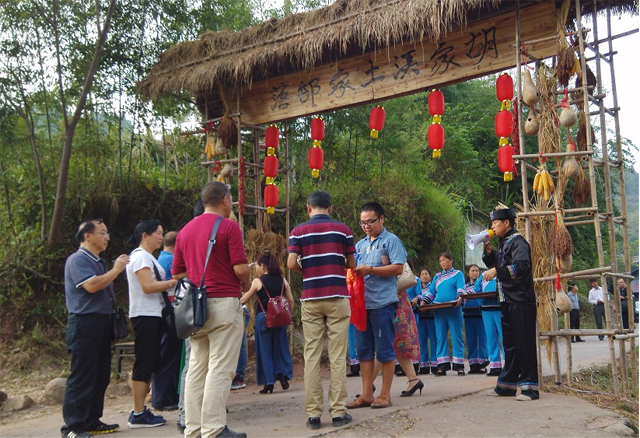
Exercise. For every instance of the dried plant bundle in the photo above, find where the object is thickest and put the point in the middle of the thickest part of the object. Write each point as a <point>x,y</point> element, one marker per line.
<point>549,132</point>
<point>562,240</point>
<point>228,132</point>
<point>581,189</point>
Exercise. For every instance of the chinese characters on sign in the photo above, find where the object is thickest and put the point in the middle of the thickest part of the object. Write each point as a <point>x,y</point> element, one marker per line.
<point>478,46</point>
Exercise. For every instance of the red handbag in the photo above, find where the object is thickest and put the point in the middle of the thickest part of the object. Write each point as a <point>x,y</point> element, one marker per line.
<point>278,313</point>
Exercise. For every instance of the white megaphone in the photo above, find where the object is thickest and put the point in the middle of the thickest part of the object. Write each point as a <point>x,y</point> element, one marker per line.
<point>476,239</point>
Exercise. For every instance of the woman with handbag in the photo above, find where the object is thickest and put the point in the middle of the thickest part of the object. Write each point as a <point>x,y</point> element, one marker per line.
<point>273,359</point>
<point>145,310</point>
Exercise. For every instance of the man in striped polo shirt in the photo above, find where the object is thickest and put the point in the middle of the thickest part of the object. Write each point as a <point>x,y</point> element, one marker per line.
<point>320,249</point>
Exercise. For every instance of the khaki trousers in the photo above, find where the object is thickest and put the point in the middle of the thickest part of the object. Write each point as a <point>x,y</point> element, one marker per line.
<point>328,318</point>
<point>215,349</point>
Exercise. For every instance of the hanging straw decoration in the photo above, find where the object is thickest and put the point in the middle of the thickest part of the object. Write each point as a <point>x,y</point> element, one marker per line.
<point>549,133</point>
<point>228,132</point>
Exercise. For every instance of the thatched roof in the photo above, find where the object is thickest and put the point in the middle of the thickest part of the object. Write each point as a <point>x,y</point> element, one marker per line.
<point>302,41</point>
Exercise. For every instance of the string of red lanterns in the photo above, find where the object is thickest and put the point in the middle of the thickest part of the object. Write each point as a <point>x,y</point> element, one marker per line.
<point>435,134</point>
<point>271,139</point>
<point>504,126</point>
<point>316,154</point>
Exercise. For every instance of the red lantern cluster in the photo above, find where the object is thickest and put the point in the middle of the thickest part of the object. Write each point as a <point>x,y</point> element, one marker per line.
<point>316,154</point>
<point>504,126</point>
<point>435,134</point>
<point>376,120</point>
<point>271,138</point>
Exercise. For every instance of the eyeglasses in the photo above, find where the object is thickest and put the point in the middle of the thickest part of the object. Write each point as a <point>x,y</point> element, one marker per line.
<point>105,235</point>
<point>369,223</point>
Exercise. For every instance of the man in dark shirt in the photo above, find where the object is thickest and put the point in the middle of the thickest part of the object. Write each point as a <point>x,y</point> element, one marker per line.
<point>512,267</point>
<point>90,302</point>
<point>320,249</point>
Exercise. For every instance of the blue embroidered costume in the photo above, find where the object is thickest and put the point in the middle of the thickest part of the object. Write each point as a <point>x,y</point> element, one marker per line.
<point>492,324</point>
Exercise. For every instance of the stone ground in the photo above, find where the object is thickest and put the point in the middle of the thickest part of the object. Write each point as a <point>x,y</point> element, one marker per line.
<point>449,406</point>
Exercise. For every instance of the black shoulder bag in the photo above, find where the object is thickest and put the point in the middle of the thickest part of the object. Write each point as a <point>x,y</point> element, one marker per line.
<point>168,314</point>
<point>120,330</point>
<point>191,309</point>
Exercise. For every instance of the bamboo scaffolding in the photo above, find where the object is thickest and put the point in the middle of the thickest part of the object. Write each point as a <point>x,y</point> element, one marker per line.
<point>623,198</point>
<point>553,212</point>
<point>630,337</point>
<point>553,155</point>
<point>592,183</point>
<point>581,332</point>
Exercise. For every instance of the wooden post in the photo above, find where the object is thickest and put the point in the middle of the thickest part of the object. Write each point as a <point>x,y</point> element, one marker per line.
<point>567,325</point>
<point>239,151</point>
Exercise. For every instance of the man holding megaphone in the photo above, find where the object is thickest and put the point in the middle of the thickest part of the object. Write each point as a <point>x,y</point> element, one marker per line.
<point>511,267</point>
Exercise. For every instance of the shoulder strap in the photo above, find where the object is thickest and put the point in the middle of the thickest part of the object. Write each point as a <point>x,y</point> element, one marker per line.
<point>212,242</point>
<point>265,288</point>
<point>165,295</point>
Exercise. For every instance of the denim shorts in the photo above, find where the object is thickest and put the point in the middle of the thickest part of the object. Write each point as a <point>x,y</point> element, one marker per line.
<point>377,341</point>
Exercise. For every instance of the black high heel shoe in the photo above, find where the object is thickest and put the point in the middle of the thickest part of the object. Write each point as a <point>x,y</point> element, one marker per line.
<point>284,382</point>
<point>267,389</point>
<point>416,387</point>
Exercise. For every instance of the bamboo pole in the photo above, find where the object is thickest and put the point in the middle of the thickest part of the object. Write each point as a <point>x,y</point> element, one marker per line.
<point>239,152</point>
<point>592,183</point>
<point>569,359</point>
<point>257,184</point>
<point>575,274</point>
<point>553,212</point>
<point>553,155</point>
<point>582,332</point>
<point>623,198</point>
<point>616,318</point>
<point>630,336</point>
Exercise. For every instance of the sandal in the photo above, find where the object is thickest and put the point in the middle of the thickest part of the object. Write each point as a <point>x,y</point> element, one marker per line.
<point>359,402</point>
<point>381,402</point>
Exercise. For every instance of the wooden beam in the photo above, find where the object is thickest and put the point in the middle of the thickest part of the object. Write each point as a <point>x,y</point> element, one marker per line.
<point>476,50</point>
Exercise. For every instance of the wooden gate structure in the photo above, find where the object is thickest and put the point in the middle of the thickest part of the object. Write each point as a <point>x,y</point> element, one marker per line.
<point>357,52</point>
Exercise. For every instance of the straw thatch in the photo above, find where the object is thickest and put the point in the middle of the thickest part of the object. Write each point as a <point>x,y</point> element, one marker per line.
<point>303,41</point>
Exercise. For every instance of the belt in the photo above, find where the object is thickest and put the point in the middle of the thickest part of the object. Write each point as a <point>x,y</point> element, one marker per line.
<point>92,315</point>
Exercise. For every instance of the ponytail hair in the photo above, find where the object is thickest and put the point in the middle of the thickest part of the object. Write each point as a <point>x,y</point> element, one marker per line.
<point>270,262</point>
<point>147,226</point>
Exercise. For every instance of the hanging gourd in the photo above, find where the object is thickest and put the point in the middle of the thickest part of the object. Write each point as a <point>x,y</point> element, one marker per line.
<point>435,134</point>
<point>271,138</point>
<point>532,125</point>
<point>271,197</point>
<point>505,162</point>
<point>504,90</point>
<point>316,154</point>
<point>568,116</point>
<point>530,95</point>
<point>376,120</point>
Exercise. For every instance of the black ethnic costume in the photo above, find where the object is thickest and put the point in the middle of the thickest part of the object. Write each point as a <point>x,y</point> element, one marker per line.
<point>518,307</point>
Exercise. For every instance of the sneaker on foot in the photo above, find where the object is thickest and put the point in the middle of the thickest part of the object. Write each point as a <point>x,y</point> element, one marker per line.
<point>100,428</point>
<point>70,433</point>
<point>238,383</point>
<point>146,419</point>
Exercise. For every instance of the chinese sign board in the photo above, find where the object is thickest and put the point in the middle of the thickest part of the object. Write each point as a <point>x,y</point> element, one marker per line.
<point>479,49</point>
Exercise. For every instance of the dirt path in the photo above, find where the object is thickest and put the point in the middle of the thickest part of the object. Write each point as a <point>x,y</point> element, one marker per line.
<point>449,406</point>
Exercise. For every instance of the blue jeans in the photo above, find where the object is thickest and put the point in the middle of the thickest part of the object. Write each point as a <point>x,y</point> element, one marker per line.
<point>242,359</point>
<point>377,341</point>
<point>353,353</point>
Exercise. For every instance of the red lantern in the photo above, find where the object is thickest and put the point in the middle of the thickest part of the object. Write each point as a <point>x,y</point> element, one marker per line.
<point>376,120</point>
<point>316,160</point>
<point>436,104</point>
<point>503,124</point>
<point>270,168</point>
<point>271,197</point>
<point>505,161</point>
<point>504,90</point>
<point>271,138</point>
<point>317,130</point>
<point>435,137</point>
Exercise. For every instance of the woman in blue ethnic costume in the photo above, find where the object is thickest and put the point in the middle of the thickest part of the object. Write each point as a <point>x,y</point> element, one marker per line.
<point>426,324</point>
<point>492,321</point>
<point>512,267</point>
<point>473,326</point>
<point>447,286</point>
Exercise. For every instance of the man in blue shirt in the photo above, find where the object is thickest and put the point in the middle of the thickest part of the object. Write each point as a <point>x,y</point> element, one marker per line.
<point>380,257</point>
<point>90,301</point>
